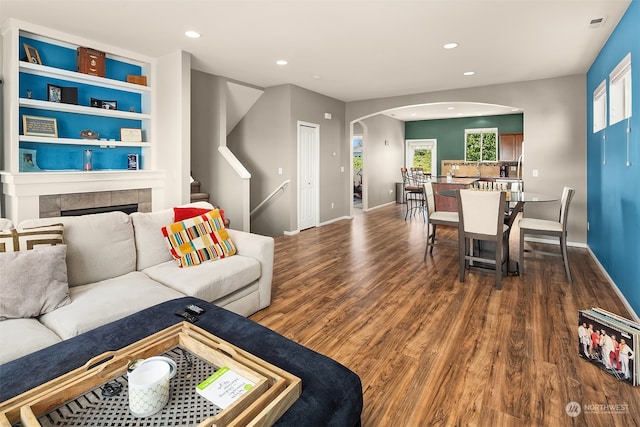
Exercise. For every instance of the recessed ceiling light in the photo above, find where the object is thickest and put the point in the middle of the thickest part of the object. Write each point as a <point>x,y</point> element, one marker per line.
<point>452,45</point>
<point>281,62</point>
<point>317,77</point>
<point>469,73</point>
<point>451,108</point>
<point>192,34</point>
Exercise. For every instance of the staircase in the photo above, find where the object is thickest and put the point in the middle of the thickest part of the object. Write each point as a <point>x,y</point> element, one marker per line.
<point>196,194</point>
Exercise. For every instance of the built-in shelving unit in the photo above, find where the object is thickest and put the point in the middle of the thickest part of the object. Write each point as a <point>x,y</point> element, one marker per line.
<point>58,167</point>
<point>28,96</point>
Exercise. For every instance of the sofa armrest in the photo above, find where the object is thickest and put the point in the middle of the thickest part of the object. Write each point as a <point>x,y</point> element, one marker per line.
<point>261,248</point>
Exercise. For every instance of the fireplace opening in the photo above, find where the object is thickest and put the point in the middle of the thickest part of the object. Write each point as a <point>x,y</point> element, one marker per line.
<point>101,209</point>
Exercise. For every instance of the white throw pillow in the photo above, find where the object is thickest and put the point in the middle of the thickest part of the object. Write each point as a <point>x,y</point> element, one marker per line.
<point>33,282</point>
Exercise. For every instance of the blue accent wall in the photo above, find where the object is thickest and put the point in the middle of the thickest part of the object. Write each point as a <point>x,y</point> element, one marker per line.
<point>613,188</point>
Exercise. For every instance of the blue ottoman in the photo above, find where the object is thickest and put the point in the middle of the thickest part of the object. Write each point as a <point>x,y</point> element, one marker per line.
<point>331,393</point>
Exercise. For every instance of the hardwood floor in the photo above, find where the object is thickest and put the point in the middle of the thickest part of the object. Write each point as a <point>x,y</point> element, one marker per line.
<point>432,350</point>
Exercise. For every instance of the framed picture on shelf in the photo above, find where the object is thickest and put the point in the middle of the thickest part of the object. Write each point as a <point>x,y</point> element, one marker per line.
<point>32,54</point>
<point>130,135</point>
<point>28,162</point>
<point>132,162</point>
<point>39,126</point>
<point>54,93</point>
<point>110,105</point>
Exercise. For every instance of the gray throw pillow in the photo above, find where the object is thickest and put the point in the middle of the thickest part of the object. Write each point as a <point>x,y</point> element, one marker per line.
<point>33,282</point>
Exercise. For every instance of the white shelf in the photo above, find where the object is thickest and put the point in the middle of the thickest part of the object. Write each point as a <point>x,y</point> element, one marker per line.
<point>74,141</point>
<point>81,109</point>
<point>56,73</point>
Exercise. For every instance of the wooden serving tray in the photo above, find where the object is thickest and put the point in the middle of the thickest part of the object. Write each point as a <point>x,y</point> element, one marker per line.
<point>274,392</point>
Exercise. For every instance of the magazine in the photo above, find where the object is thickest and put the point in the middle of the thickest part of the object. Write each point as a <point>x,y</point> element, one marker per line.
<point>610,342</point>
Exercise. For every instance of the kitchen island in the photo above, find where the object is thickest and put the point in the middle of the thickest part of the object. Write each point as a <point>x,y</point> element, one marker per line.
<point>450,204</point>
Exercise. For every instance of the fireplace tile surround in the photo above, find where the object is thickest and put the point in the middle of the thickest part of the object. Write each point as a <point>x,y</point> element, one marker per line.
<point>52,205</point>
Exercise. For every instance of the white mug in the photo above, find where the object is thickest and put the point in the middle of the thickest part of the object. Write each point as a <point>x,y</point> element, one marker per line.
<point>149,385</point>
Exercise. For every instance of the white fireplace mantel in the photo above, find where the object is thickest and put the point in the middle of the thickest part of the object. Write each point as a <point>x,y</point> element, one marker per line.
<point>22,191</point>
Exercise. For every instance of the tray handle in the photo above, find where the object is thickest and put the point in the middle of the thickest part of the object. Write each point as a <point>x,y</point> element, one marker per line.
<point>229,351</point>
<point>100,359</point>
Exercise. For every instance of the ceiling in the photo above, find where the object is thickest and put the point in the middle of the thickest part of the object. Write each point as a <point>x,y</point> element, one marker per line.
<point>351,49</point>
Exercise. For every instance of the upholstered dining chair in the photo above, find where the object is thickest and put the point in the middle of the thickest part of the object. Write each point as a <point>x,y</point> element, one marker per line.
<point>481,218</point>
<point>545,227</point>
<point>435,218</point>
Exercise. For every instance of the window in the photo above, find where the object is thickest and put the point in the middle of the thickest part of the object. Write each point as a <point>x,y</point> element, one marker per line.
<point>600,107</point>
<point>620,88</point>
<point>481,145</point>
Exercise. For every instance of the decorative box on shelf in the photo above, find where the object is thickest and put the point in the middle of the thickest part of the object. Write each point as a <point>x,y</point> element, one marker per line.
<point>91,61</point>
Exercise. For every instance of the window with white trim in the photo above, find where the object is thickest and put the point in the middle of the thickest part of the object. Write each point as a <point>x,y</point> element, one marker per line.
<point>481,145</point>
<point>600,107</point>
<point>620,91</point>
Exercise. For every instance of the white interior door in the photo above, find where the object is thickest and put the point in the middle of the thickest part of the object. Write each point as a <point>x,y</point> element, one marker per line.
<point>308,167</point>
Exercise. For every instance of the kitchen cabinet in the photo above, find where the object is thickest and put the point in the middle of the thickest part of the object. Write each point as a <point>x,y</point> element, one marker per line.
<point>510,146</point>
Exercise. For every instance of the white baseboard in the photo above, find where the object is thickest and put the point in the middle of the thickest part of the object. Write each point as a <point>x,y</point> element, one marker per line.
<point>379,206</point>
<point>331,221</point>
<point>614,286</point>
<point>294,232</point>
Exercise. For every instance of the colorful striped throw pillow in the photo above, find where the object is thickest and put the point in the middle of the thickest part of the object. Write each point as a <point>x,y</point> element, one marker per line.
<point>199,239</point>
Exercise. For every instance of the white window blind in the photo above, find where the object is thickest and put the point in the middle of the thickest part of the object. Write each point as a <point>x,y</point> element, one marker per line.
<point>620,91</point>
<point>600,107</point>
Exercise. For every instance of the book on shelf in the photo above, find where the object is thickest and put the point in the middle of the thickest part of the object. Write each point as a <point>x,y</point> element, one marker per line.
<point>610,342</point>
<point>224,387</point>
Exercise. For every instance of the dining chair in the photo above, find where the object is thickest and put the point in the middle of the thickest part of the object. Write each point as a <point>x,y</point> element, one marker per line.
<point>413,191</point>
<point>435,218</point>
<point>545,227</point>
<point>481,218</point>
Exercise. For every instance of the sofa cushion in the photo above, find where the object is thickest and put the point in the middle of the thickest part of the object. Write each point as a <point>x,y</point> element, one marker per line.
<point>23,336</point>
<point>102,302</point>
<point>209,281</point>
<point>199,239</point>
<point>150,246</point>
<point>5,223</point>
<point>100,246</point>
<point>29,238</point>
<point>33,282</point>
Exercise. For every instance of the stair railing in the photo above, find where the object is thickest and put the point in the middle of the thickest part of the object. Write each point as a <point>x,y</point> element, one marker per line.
<point>281,187</point>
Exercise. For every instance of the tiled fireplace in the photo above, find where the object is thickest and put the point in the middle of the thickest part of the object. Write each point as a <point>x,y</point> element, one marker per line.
<point>52,205</point>
<point>48,194</point>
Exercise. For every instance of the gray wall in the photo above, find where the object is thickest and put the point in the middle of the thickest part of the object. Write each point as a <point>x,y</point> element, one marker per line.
<point>381,161</point>
<point>262,142</point>
<point>266,140</point>
<point>554,129</point>
<point>208,132</point>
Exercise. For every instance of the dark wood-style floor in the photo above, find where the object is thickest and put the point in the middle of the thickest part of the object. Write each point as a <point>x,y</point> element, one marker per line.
<point>432,350</point>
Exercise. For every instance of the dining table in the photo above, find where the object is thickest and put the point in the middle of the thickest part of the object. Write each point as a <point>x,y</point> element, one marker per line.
<point>515,201</point>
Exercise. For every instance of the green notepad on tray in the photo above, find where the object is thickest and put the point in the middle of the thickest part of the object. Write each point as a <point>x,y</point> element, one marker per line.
<point>224,387</point>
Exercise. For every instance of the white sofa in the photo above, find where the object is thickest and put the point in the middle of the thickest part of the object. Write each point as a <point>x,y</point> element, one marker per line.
<point>118,264</point>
